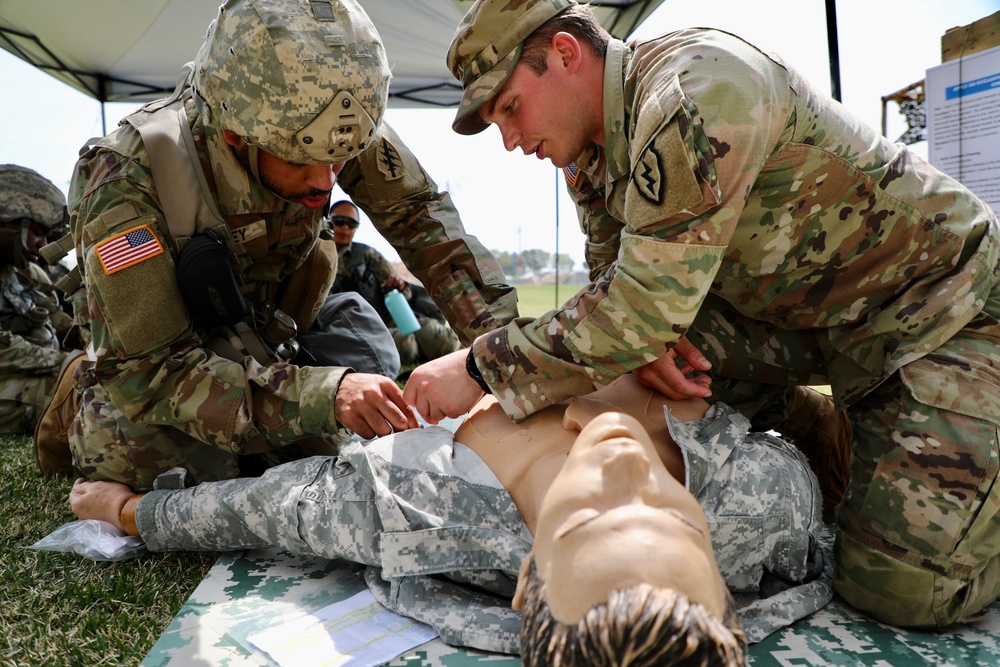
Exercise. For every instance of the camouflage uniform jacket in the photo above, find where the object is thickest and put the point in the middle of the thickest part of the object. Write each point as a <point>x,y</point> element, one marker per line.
<point>152,359</point>
<point>725,172</point>
<point>29,306</point>
<point>443,540</point>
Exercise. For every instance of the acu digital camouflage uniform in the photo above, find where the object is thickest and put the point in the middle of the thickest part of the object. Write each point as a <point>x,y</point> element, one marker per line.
<point>443,540</point>
<point>157,396</point>
<point>30,311</point>
<point>363,269</point>
<point>735,204</point>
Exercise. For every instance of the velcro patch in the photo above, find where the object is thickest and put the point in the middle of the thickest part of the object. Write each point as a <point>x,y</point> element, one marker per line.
<point>127,249</point>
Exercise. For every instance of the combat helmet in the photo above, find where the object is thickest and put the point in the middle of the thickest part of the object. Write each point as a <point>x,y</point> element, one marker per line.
<point>27,197</point>
<point>304,80</point>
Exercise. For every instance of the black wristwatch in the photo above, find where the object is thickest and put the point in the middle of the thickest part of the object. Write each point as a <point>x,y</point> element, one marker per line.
<point>473,370</point>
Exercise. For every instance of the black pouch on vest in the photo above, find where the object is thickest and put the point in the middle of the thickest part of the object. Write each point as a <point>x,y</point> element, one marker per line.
<point>208,285</point>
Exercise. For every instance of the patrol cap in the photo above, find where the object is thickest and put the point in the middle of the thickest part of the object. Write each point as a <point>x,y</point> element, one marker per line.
<point>306,80</point>
<point>487,46</point>
<point>27,195</point>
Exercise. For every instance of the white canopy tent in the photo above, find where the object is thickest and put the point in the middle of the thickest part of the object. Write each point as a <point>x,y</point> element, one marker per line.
<point>132,50</point>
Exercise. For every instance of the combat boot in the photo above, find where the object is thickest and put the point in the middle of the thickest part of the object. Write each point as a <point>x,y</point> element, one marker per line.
<point>51,438</point>
<point>823,434</point>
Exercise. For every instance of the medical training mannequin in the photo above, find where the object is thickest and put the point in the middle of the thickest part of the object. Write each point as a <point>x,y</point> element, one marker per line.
<point>601,507</point>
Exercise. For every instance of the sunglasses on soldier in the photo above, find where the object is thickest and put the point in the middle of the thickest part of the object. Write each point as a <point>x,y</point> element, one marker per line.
<point>341,220</point>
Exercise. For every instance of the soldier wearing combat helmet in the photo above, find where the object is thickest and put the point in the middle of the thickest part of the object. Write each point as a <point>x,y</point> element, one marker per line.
<point>30,312</point>
<point>197,227</point>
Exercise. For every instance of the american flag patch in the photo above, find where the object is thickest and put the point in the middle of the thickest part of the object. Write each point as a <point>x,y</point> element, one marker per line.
<point>572,173</point>
<point>123,250</point>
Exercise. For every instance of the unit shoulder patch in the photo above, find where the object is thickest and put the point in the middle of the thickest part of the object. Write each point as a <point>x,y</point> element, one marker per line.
<point>389,162</point>
<point>648,176</point>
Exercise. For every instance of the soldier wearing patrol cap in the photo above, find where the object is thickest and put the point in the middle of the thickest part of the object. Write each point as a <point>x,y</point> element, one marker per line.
<point>31,317</point>
<point>197,226</point>
<point>727,201</point>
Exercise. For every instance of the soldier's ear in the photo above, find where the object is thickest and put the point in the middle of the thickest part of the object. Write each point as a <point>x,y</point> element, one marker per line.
<point>233,139</point>
<point>522,577</point>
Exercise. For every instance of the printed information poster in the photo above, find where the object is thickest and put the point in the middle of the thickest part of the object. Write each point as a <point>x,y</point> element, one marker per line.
<point>963,121</point>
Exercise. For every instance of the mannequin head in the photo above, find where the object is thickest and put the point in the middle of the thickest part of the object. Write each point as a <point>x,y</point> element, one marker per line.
<point>619,537</point>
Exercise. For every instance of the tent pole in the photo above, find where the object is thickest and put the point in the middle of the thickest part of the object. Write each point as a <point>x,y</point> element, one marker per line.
<point>557,237</point>
<point>834,48</point>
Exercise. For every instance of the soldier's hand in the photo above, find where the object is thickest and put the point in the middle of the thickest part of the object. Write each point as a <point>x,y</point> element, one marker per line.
<point>669,374</point>
<point>394,281</point>
<point>442,388</point>
<point>372,405</point>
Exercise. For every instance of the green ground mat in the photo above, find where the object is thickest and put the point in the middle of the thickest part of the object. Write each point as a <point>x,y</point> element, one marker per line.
<point>246,592</point>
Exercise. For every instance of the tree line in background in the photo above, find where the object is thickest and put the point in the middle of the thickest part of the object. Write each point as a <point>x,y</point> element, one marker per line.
<point>534,262</point>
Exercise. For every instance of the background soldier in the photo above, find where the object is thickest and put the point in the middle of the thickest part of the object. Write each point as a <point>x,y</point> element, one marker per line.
<point>363,269</point>
<point>31,318</point>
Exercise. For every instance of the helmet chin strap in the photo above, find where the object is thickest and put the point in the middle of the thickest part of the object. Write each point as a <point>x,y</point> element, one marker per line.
<point>253,153</point>
<point>18,242</point>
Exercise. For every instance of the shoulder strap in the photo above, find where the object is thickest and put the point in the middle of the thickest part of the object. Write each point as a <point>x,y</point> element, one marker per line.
<point>177,171</point>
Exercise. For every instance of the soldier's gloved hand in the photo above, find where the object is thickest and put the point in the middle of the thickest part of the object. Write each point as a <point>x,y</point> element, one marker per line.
<point>670,377</point>
<point>372,405</point>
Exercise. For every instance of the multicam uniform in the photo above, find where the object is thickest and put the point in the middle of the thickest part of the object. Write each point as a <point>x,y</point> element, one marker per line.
<point>363,269</point>
<point>443,540</point>
<point>736,205</point>
<point>155,384</point>
<point>30,357</point>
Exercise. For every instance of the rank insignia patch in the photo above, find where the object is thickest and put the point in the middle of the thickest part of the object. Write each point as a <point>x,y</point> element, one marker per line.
<point>648,176</point>
<point>127,249</point>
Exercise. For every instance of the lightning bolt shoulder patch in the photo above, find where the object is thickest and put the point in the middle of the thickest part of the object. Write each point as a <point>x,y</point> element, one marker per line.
<point>648,176</point>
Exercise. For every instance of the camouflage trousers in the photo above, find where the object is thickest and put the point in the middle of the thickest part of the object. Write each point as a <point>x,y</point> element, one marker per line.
<point>29,373</point>
<point>918,531</point>
<point>434,339</point>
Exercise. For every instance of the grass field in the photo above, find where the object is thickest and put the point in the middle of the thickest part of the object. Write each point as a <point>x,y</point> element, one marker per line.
<point>534,300</point>
<point>65,610</point>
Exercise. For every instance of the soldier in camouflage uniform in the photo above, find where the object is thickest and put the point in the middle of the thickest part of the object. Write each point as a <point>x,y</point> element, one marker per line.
<point>363,269</point>
<point>726,200</point>
<point>30,312</point>
<point>445,528</point>
<point>284,97</point>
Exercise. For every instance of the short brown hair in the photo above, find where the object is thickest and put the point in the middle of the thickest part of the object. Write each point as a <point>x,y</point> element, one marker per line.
<point>638,626</point>
<point>577,20</point>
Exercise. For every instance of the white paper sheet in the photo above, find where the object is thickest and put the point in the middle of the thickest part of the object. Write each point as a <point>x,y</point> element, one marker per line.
<point>358,632</point>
